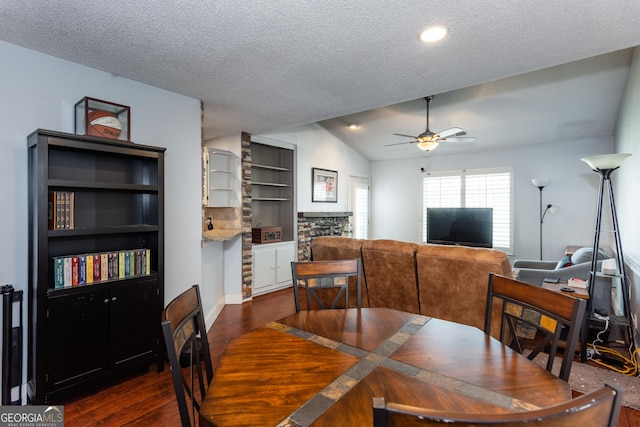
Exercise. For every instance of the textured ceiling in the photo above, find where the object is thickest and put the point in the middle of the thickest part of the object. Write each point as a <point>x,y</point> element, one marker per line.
<point>262,66</point>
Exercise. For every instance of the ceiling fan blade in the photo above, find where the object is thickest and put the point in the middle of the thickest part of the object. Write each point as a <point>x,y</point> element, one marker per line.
<point>406,136</point>
<point>459,139</point>
<point>452,132</point>
<point>400,143</point>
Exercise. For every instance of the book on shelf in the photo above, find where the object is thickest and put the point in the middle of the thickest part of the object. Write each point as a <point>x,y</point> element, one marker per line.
<point>51,210</point>
<point>121,270</point>
<point>87,269</point>
<point>97,267</point>
<point>104,267</point>
<point>138,262</point>
<point>58,272</point>
<point>82,270</point>
<point>67,272</point>
<point>125,255</point>
<point>113,265</point>
<point>59,210</point>
<point>75,271</point>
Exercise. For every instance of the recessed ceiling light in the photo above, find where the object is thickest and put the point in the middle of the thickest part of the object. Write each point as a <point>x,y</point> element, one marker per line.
<point>433,34</point>
<point>353,126</point>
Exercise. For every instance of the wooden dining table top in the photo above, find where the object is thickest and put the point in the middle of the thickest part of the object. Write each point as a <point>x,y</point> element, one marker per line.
<point>322,368</point>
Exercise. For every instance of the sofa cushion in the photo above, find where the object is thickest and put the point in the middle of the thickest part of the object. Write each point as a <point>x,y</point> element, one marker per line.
<point>390,270</point>
<point>585,254</point>
<point>453,282</point>
<point>326,248</point>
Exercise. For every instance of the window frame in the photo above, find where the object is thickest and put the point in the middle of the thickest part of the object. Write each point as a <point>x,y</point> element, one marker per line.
<point>462,174</point>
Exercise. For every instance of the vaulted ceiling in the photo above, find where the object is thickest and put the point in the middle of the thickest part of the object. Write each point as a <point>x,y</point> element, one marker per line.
<point>265,66</point>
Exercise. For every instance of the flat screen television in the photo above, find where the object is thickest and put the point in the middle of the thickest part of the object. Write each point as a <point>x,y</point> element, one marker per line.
<point>460,226</point>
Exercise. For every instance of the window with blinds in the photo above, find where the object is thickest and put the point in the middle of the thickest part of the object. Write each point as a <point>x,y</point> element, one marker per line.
<point>473,189</point>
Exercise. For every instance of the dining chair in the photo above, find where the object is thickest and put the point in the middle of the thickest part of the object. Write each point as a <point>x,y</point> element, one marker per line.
<point>185,336</point>
<point>600,408</point>
<point>549,314</point>
<point>326,282</point>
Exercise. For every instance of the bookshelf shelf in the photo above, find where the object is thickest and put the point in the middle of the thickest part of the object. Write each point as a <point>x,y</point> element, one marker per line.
<point>64,184</point>
<point>270,167</point>
<point>272,188</point>
<point>117,194</point>
<point>103,231</point>
<point>270,184</point>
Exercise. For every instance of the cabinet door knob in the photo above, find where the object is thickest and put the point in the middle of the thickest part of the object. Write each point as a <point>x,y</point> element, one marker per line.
<point>114,299</point>
<point>106,301</point>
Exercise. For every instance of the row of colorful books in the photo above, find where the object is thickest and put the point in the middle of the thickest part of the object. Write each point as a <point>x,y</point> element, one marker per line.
<point>61,210</point>
<point>86,269</point>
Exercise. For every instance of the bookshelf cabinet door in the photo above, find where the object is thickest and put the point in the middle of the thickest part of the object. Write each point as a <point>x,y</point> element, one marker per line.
<point>77,337</point>
<point>134,321</point>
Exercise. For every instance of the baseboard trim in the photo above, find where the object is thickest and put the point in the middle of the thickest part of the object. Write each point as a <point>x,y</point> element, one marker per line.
<point>233,299</point>
<point>214,313</point>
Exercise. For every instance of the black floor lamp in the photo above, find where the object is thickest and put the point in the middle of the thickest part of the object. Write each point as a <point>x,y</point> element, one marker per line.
<point>604,165</point>
<point>541,183</point>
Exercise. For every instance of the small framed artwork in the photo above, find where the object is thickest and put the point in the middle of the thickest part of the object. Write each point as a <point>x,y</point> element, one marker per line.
<point>324,185</point>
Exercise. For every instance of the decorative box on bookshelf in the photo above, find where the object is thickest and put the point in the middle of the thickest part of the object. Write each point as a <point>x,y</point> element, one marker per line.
<point>266,235</point>
<point>61,209</point>
<point>103,118</point>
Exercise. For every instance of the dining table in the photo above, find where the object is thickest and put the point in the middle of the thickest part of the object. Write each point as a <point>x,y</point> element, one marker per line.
<point>323,367</point>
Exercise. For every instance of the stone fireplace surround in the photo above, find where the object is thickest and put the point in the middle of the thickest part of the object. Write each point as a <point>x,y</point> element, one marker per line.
<point>314,224</point>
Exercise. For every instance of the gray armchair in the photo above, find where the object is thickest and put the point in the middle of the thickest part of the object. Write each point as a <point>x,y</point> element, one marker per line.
<point>534,272</point>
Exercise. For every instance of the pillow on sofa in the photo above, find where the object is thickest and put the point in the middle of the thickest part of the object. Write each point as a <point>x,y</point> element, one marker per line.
<point>586,255</point>
<point>564,262</point>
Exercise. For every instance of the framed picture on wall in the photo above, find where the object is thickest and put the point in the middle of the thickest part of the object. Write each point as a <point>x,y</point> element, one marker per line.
<point>324,185</point>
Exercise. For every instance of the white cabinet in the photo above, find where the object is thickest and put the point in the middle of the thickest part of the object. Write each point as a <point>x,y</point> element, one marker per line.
<point>272,266</point>
<point>220,179</point>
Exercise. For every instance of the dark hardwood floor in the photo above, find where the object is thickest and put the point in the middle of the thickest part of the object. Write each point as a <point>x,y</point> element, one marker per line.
<point>149,400</point>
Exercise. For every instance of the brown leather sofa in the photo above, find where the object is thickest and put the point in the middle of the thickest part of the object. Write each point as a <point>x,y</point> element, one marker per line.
<point>447,282</point>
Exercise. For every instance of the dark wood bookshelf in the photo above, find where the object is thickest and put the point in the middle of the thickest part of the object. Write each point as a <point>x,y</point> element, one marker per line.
<point>84,336</point>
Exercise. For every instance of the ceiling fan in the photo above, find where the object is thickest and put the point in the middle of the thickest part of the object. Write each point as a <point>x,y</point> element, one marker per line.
<point>429,140</point>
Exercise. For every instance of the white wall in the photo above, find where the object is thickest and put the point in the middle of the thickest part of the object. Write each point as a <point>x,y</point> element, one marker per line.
<point>396,197</point>
<point>40,91</point>
<point>317,148</point>
<point>626,180</point>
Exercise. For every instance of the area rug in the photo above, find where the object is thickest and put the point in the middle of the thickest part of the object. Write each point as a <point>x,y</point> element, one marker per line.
<point>586,378</point>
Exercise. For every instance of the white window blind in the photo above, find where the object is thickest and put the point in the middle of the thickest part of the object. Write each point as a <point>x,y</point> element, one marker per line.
<point>361,214</point>
<point>359,205</point>
<point>473,189</point>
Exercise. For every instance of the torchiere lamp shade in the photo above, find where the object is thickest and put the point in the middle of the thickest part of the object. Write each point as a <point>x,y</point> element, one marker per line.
<point>605,161</point>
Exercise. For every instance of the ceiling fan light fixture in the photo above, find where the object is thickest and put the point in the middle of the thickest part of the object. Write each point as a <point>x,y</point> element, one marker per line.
<point>433,34</point>
<point>427,145</point>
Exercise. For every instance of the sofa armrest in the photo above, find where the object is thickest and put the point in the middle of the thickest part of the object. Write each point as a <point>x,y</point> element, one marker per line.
<point>540,265</point>
<point>536,276</point>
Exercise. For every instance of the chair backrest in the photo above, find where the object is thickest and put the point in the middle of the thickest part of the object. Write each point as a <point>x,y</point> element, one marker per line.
<point>185,336</point>
<point>326,282</point>
<point>327,248</point>
<point>530,309</point>
<point>600,408</point>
